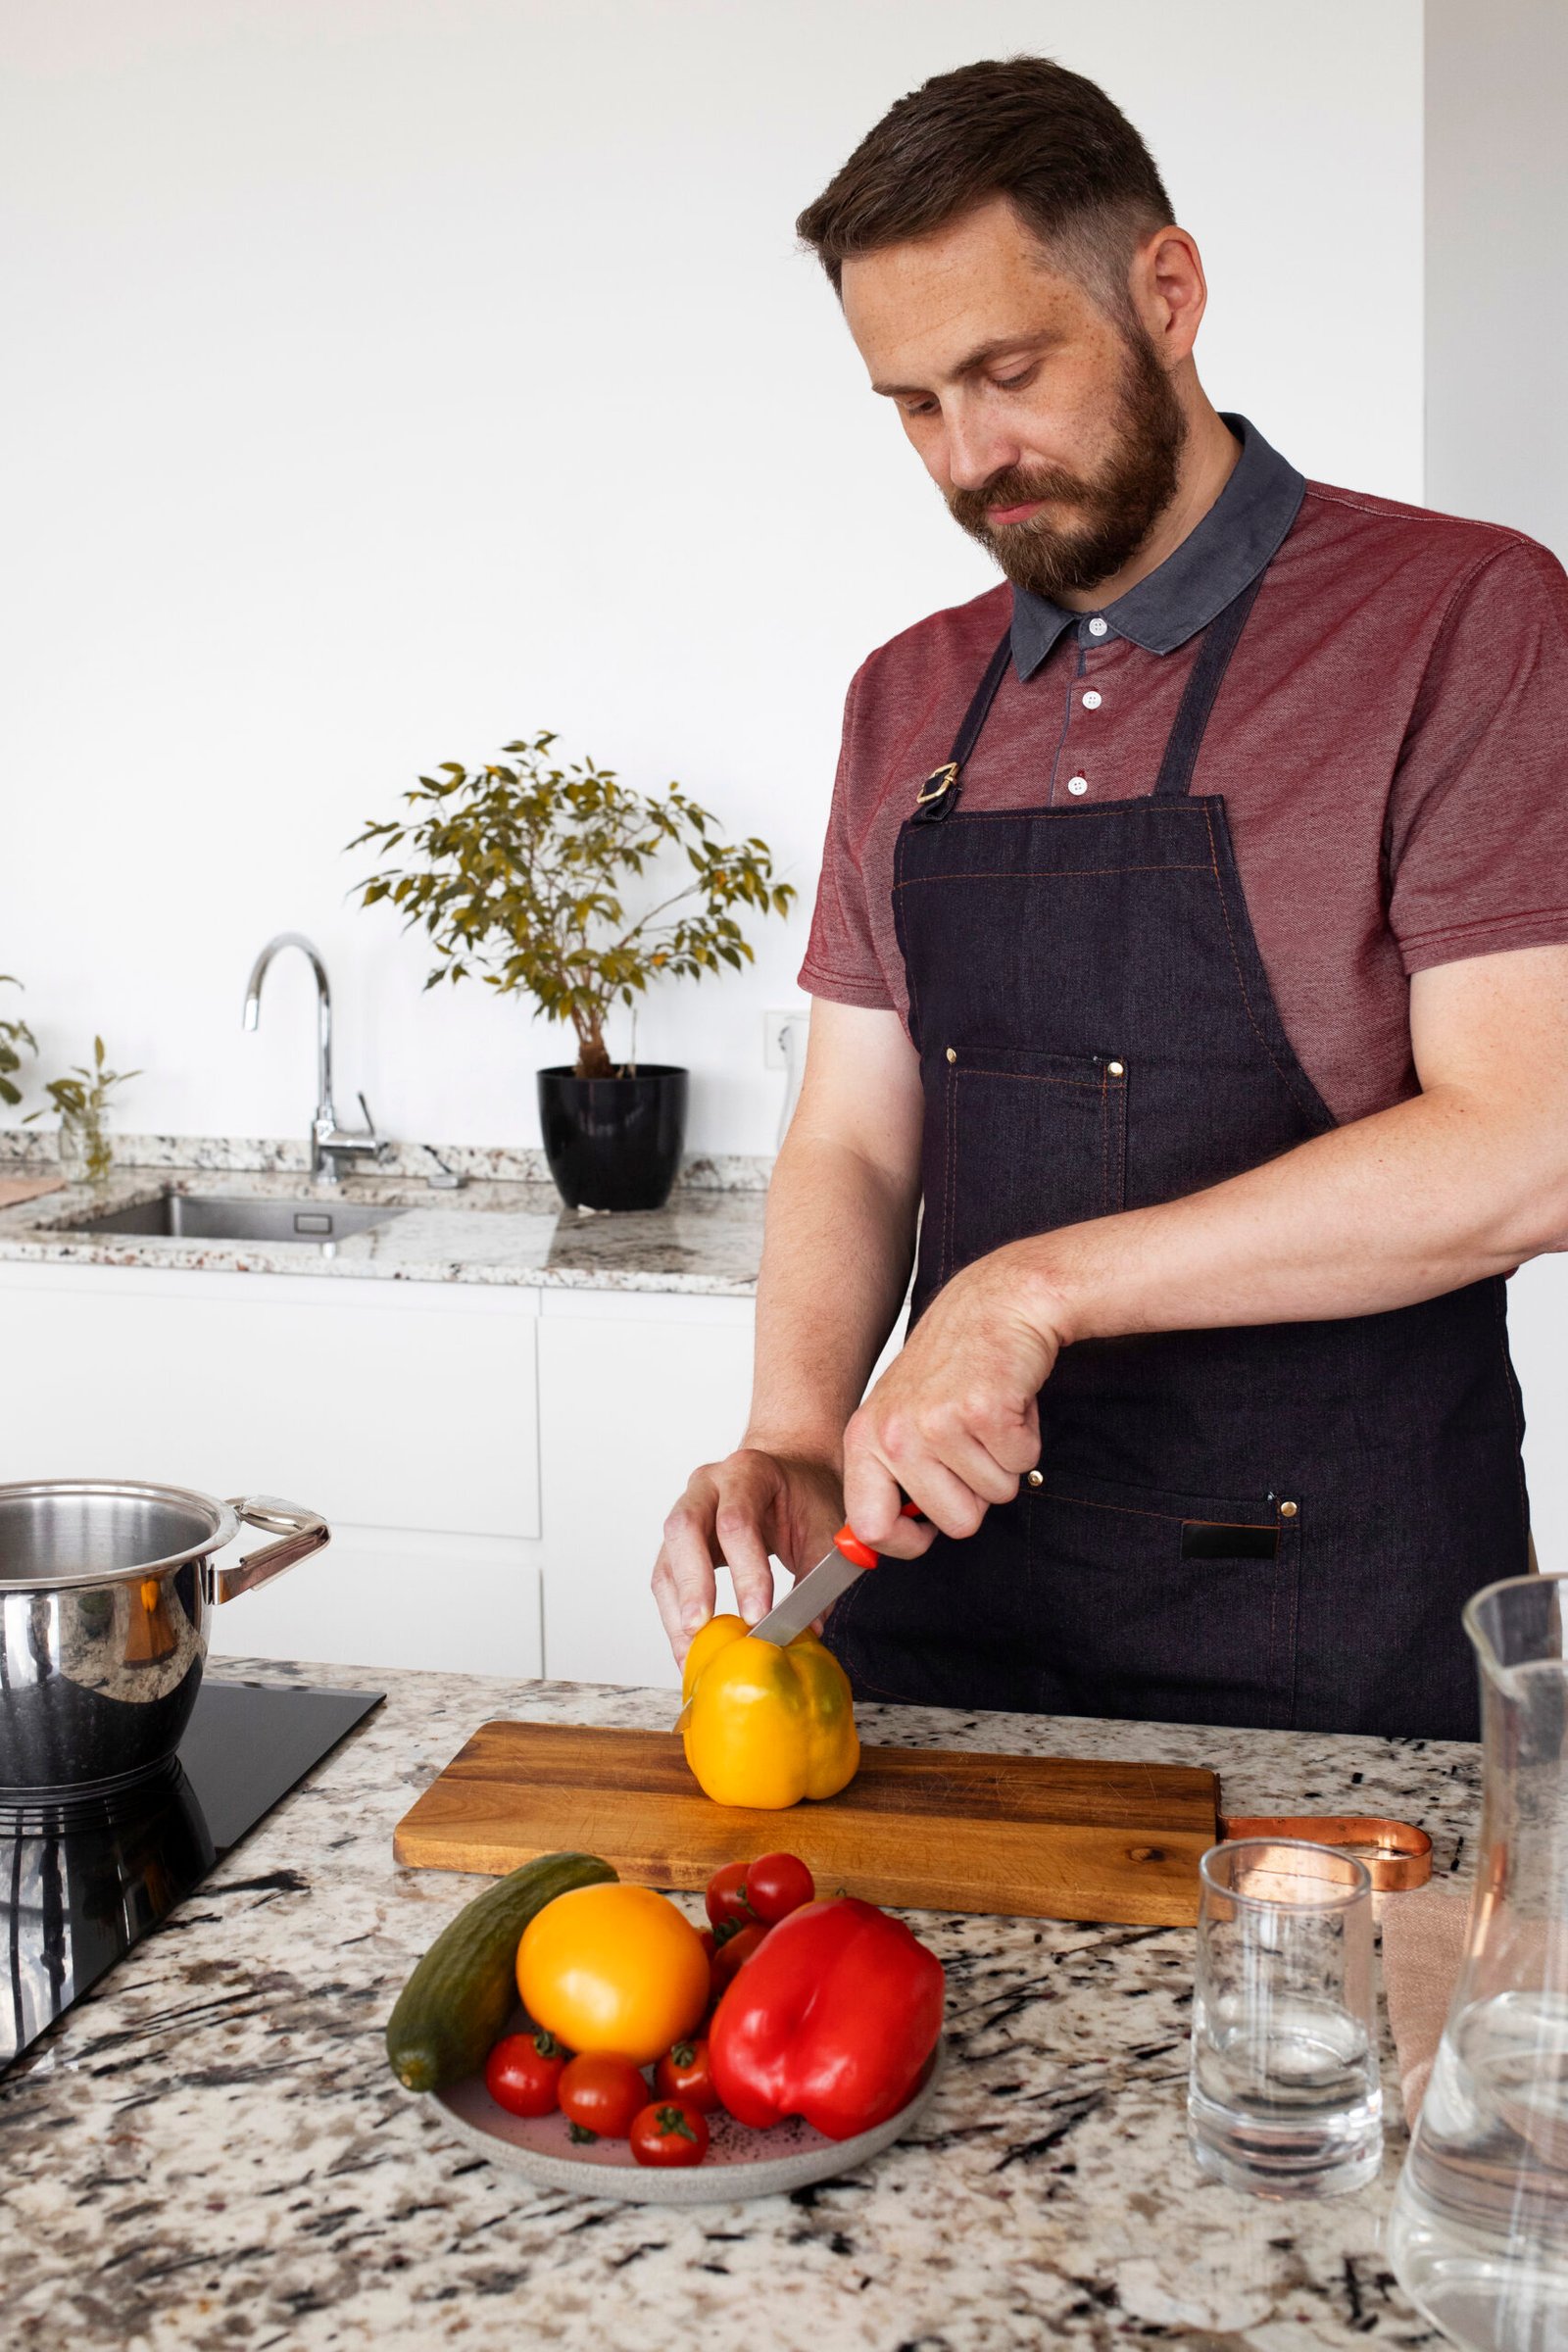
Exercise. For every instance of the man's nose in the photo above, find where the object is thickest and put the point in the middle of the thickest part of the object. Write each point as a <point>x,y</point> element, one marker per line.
<point>977,451</point>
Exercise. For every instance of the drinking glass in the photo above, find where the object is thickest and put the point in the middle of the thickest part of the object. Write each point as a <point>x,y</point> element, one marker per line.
<point>1284,2097</point>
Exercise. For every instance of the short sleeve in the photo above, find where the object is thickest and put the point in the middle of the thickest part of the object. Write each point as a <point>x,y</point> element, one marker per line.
<point>841,957</point>
<point>1477,838</point>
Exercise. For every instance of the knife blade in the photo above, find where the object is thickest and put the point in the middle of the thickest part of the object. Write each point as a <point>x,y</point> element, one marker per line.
<point>813,1594</point>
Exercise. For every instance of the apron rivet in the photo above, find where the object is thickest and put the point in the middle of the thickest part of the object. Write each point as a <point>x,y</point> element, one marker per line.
<point>1115,1069</point>
<point>1286,1511</point>
<point>953,1055</point>
<point>1037,1478</point>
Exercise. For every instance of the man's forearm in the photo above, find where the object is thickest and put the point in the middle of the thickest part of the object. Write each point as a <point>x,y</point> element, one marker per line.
<point>1413,1202</point>
<point>835,1266</point>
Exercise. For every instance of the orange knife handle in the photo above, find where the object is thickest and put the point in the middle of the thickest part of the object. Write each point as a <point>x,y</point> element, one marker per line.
<point>858,1554</point>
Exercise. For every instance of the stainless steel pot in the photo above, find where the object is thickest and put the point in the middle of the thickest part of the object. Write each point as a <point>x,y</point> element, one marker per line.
<point>106,1587</point>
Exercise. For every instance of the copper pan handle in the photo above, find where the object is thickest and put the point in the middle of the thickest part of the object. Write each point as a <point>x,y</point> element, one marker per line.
<point>1398,1855</point>
<point>299,1532</point>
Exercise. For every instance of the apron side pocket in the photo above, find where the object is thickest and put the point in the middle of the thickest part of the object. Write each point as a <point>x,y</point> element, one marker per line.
<point>1172,1607</point>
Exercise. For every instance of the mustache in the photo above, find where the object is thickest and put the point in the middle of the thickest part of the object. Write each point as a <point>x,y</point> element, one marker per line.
<point>1015,486</point>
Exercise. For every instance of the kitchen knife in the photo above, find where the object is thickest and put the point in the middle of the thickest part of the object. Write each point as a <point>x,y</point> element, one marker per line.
<point>815,1593</point>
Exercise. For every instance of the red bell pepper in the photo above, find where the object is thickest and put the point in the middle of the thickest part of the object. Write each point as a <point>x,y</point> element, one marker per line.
<point>832,2018</point>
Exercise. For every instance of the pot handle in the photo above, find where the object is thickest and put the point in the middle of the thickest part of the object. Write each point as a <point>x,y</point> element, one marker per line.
<point>299,1532</point>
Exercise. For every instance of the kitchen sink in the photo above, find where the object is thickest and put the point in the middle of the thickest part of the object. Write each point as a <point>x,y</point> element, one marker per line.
<point>198,1217</point>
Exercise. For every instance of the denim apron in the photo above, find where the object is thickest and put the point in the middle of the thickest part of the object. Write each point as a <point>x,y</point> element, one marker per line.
<point>1271,1525</point>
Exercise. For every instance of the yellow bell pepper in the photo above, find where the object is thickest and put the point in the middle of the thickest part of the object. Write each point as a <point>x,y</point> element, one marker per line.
<point>767,1726</point>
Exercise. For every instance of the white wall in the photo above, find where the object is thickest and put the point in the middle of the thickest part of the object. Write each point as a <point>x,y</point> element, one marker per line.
<point>1496,338</point>
<point>389,377</point>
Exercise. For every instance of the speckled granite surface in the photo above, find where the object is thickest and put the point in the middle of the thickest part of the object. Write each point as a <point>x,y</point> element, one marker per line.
<point>511,1164</point>
<point>494,1230</point>
<point>210,2152</point>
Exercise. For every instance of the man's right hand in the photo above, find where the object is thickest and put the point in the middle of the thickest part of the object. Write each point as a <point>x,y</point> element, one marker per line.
<point>735,1513</point>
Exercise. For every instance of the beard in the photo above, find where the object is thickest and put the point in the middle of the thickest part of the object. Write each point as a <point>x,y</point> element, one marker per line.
<point>1118,506</point>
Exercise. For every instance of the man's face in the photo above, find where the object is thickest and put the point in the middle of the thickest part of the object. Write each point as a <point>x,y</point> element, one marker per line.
<point>1052,430</point>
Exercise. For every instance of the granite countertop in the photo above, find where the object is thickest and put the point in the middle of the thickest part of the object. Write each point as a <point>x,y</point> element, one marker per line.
<point>496,1230</point>
<point>210,2152</point>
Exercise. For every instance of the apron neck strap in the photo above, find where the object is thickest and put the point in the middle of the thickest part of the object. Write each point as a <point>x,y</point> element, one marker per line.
<point>938,796</point>
<point>1208,670</point>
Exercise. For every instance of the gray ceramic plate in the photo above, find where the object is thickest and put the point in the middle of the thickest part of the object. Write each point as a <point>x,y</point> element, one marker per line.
<point>739,2163</point>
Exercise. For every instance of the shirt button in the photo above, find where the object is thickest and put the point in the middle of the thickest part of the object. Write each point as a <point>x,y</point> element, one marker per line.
<point>1078,786</point>
<point>1098,627</point>
<point>1092,700</point>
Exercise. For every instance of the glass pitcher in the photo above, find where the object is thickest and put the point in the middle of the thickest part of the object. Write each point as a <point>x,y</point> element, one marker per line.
<point>1479,2234</point>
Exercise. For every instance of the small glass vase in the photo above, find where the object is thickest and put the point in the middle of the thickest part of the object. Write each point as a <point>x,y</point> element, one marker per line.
<point>86,1154</point>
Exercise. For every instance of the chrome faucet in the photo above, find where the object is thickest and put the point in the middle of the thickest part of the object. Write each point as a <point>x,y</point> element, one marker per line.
<point>330,1143</point>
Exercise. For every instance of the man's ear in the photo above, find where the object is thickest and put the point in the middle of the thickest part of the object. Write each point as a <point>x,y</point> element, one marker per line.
<point>1169,292</point>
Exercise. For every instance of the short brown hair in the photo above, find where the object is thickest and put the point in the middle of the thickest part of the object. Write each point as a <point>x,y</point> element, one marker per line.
<point>1024,127</point>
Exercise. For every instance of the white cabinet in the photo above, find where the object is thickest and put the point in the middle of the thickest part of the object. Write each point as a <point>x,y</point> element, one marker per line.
<point>404,1414</point>
<point>393,1596</point>
<point>495,1461</point>
<point>635,1389</point>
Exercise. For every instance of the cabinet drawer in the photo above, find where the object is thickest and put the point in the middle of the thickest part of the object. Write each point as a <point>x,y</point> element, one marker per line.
<point>377,1405</point>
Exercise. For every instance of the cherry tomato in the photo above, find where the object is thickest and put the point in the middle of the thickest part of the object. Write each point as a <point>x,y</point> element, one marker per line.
<point>778,1884</point>
<point>599,2095</point>
<point>732,1954</point>
<point>669,2131</point>
<point>522,2073</point>
<point>726,1899</point>
<point>683,2072</point>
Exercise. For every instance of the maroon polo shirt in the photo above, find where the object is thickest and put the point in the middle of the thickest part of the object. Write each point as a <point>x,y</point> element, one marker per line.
<point>1391,739</point>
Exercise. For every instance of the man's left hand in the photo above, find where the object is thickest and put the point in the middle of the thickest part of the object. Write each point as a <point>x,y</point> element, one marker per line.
<point>954,1422</point>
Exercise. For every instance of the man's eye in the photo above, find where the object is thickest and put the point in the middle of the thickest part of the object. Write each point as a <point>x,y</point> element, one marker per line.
<point>1012,383</point>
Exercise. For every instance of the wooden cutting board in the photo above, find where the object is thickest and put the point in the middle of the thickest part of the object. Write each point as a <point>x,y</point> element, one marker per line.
<point>1045,1837</point>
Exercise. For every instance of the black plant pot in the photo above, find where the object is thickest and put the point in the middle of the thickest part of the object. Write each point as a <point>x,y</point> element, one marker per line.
<point>614,1143</point>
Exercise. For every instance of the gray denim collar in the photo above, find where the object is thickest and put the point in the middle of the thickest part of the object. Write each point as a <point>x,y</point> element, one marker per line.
<point>1241,534</point>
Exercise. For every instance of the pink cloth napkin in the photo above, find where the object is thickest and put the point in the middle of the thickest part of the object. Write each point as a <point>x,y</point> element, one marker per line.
<point>1423,1944</point>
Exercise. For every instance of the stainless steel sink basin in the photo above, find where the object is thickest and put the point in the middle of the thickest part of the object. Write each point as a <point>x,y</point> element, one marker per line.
<point>194,1217</point>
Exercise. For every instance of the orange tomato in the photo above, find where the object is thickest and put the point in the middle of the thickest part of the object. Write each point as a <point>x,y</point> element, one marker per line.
<point>616,1969</point>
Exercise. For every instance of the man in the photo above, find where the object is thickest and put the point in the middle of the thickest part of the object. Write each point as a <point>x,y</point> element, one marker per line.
<point>1191,956</point>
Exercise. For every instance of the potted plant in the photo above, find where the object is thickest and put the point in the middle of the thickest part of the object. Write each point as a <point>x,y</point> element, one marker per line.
<point>515,875</point>
<point>81,1099</point>
<point>13,1036</point>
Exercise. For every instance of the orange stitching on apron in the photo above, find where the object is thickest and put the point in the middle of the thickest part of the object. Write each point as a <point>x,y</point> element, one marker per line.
<point>1076,816</point>
<point>952,1154</point>
<point>1088,1086</point>
<point>1292,1533</point>
<point>1133,1511</point>
<point>1032,874</point>
<point>1104,1143</point>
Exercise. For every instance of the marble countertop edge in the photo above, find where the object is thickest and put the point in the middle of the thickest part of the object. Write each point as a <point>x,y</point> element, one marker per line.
<point>496,1232</point>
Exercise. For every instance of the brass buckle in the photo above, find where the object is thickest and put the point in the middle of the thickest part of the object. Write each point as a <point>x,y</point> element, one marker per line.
<point>938,781</point>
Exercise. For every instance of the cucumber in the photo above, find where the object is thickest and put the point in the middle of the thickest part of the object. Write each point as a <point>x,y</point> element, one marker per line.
<point>450,2013</point>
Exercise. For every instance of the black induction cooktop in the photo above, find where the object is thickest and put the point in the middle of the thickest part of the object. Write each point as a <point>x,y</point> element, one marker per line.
<point>80,1884</point>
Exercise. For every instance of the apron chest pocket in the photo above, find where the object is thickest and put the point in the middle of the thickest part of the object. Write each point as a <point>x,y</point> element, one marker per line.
<point>1029,1142</point>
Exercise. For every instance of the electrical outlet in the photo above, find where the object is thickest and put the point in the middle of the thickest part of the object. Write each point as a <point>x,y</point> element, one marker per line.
<point>774,1025</point>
